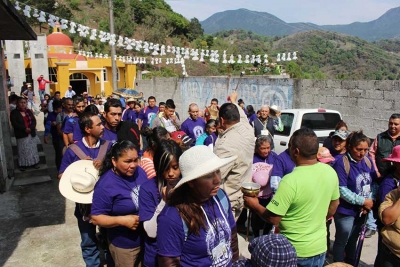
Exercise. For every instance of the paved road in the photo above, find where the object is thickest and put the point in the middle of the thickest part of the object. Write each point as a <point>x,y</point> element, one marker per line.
<point>38,227</point>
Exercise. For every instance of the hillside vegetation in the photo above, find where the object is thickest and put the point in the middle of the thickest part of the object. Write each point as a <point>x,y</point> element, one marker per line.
<point>322,55</point>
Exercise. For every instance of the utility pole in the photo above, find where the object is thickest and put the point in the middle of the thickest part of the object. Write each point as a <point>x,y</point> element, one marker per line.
<point>113,53</point>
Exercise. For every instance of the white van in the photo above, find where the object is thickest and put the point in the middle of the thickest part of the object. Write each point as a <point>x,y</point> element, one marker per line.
<point>322,121</point>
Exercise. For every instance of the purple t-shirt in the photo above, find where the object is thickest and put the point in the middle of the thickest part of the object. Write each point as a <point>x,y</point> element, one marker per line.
<point>283,164</point>
<point>149,198</point>
<point>72,126</point>
<point>109,135</point>
<point>270,159</point>
<point>210,139</point>
<point>130,115</point>
<point>146,114</point>
<point>387,185</point>
<point>53,130</point>
<point>118,196</point>
<point>197,251</point>
<point>193,128</point>
<point>252,118</point>
<point>358,181</point>
<point>70,157</point>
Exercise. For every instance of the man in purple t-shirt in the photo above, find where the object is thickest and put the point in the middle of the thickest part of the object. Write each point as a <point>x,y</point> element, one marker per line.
<point>145,116</point>
<point>71,129</point>
<point>90,145</point>
<point>193,126</point>
<point>112,115</point>
<point>283,165</point>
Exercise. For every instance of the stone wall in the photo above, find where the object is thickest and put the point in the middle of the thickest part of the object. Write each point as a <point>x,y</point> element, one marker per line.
<point>365,105</point>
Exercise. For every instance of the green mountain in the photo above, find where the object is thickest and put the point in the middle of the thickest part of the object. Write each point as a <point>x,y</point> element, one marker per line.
<point>263,23</point>
<point>385,27</point>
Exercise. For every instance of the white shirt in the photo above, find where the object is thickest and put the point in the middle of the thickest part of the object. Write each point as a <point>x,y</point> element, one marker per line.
<point>69,93</point>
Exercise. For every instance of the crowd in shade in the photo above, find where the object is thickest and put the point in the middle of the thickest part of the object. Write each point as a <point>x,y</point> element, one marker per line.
<point>154,189</point>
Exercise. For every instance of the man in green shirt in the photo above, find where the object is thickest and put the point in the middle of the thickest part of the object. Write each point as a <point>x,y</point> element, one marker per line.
<point>304,200</point>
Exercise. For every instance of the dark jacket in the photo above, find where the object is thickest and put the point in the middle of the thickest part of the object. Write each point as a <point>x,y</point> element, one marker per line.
<point>384,149</point>
<point>18,124</point>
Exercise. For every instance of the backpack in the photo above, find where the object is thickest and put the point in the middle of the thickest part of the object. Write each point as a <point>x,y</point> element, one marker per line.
<point>223,199</point>
<point>347,163</point>
<point>81,155</point>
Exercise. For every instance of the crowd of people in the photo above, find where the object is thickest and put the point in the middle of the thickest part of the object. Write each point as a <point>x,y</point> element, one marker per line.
<point>152,189</point>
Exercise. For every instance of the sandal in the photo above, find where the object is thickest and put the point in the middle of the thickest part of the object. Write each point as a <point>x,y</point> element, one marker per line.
<point>22,169</point>
<point>36,166</point>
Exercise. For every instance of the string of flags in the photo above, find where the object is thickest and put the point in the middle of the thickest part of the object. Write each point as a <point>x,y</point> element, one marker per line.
<point>179,54</point>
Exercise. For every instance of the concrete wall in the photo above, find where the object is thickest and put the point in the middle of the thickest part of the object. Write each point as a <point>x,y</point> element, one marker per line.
<point>6,158</point>
<point>40,66</point>
<point>364,105</point>
<point>16,67</point>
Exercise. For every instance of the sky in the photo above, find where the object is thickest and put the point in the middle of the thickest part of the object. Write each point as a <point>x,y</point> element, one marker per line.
<point>322,12</point>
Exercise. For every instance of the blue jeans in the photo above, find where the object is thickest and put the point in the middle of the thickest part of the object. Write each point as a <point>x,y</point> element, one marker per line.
<point>347,232</point>
<point>316,261</point>
<point>371,225</point>
<point>90,251</point>
<point>41,95</point>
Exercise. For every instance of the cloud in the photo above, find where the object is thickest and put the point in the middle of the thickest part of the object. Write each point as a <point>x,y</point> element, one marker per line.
<point>315,11</point>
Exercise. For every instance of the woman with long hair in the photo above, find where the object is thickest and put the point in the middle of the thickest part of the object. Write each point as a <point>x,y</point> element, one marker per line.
<point>251,114</point>
<point>153,194</point>
<point>357,193</point>
<point>154,137</point>
<point>24,124</point>
<point>197,226</point>
<point>115,204</point>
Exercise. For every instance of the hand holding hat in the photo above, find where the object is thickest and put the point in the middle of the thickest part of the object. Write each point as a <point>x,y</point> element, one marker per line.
<point>78,181</point>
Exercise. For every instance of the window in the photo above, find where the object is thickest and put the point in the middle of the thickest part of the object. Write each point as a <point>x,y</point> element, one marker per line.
<point>53,74</point>
<point>104,76</point>
<point>320,120</point>
<point>118,77</point>
<point>287,121</point>
<point>39,55</point>
<point>17,56</point>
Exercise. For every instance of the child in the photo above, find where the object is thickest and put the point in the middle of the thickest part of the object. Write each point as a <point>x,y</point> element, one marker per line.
<point>209,136</point>
<point>29,94</point>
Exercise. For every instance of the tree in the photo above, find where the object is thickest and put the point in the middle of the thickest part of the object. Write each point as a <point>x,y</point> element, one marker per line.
<point>195,29</point>
<point>293,69</point>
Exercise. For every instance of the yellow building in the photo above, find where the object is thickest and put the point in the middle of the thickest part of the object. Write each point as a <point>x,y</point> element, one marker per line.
<point>84,73</point>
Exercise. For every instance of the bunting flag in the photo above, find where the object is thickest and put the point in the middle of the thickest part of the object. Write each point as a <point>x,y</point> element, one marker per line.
<point>177,55</point>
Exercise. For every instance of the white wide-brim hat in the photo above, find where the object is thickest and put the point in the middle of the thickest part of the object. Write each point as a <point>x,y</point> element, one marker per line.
<point>78,181</point>
<point>199,161</point>
<point>273,110</point>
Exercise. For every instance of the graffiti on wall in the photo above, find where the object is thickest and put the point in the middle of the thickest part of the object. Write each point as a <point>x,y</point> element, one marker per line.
<point>254,91</point>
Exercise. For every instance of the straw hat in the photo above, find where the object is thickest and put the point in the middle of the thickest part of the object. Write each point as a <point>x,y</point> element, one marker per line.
<point>199,161</point>
<point>78,181</point>
<point>395,156</point>
<point>273,110</point>
<point>130,100</point>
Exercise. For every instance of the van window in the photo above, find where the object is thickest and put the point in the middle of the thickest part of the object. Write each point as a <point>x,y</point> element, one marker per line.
<point>287,121</point>
<point>320,120</point>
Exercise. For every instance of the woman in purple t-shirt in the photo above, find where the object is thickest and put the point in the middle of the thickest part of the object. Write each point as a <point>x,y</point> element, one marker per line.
<point>357,194</point>
<point>115,203</point>
<point>152,194</point>
<point>261,175</point>
<point>197,227</point>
